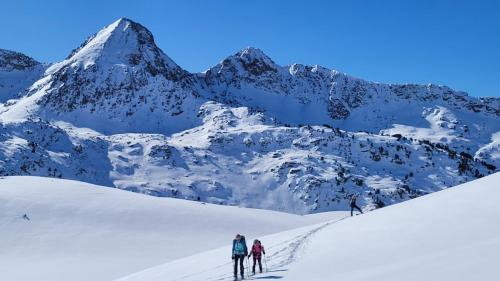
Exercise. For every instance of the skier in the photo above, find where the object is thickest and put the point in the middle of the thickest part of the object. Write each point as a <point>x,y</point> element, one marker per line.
<point>257,252</point>
<point>239,252</point>
<point>353,204</point>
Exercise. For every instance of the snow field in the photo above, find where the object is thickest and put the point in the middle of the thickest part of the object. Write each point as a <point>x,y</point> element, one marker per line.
<point>78,231</point>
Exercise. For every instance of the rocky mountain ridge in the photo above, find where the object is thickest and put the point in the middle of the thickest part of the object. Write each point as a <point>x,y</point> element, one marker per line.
<point>119,112</point>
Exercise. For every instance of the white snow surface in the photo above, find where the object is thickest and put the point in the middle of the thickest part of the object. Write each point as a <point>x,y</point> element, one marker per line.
<point>448,235</point>
<point>82,232</point>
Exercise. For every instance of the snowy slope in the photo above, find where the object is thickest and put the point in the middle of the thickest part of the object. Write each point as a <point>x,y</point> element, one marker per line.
<point>77,231</point>
<point>448,235</point>
<point>119,112</point>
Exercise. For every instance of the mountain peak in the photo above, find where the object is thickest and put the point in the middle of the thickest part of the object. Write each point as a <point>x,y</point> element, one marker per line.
<point>251,55</point>
<point>122,42</point>
<point>119,65</point>
<point>123,20</point>
<point>249,60</point>
<point>10,60</point>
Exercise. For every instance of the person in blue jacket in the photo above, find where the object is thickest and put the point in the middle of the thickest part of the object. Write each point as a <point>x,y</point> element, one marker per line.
<point>239,252</point>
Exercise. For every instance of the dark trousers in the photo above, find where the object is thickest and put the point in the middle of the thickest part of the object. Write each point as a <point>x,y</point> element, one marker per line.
<point>257,259</point>
<point>239,258</point>
<point>354,206</point>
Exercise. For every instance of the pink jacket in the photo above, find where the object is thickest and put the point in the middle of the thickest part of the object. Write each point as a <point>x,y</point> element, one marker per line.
<point>257,250</point>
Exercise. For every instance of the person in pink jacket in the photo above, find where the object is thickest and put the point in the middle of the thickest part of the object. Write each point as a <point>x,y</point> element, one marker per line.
<point>257,252</point>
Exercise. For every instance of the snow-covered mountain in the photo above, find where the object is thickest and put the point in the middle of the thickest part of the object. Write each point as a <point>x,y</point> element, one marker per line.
<point>117,81</point>
<point>305,95</point>
<point>119,112</point>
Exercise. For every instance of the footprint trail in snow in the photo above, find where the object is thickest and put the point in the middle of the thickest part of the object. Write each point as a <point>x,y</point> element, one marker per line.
<point>280,256</point>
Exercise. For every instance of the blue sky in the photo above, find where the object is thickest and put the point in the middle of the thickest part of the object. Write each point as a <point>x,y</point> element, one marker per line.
<point>455,43</point>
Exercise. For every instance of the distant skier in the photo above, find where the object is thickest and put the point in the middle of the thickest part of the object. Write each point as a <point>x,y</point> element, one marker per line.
<point>353,204</point>
<point>25,217</point>
<point>239,252</point>
<point>257,252</point>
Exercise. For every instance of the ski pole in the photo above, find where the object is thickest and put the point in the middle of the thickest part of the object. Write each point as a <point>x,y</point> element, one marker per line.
<point>265,261</point>
<point>248,269</point>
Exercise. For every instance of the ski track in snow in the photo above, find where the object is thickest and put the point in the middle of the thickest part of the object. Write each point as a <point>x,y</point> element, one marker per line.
<point>283,254</point>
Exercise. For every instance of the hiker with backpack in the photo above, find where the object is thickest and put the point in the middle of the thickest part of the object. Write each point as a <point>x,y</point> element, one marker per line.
<point>257,252</point>
<point>353,204</point>
<point>239,252</point>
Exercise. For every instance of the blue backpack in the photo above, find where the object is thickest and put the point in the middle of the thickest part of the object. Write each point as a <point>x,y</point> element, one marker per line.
<point>240,247</point>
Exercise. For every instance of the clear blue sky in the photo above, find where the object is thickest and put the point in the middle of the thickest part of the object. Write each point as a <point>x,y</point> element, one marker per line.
<point>455,43</point>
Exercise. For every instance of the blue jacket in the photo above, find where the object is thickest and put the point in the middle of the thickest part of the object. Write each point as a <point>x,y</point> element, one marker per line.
<point>245,249</point>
